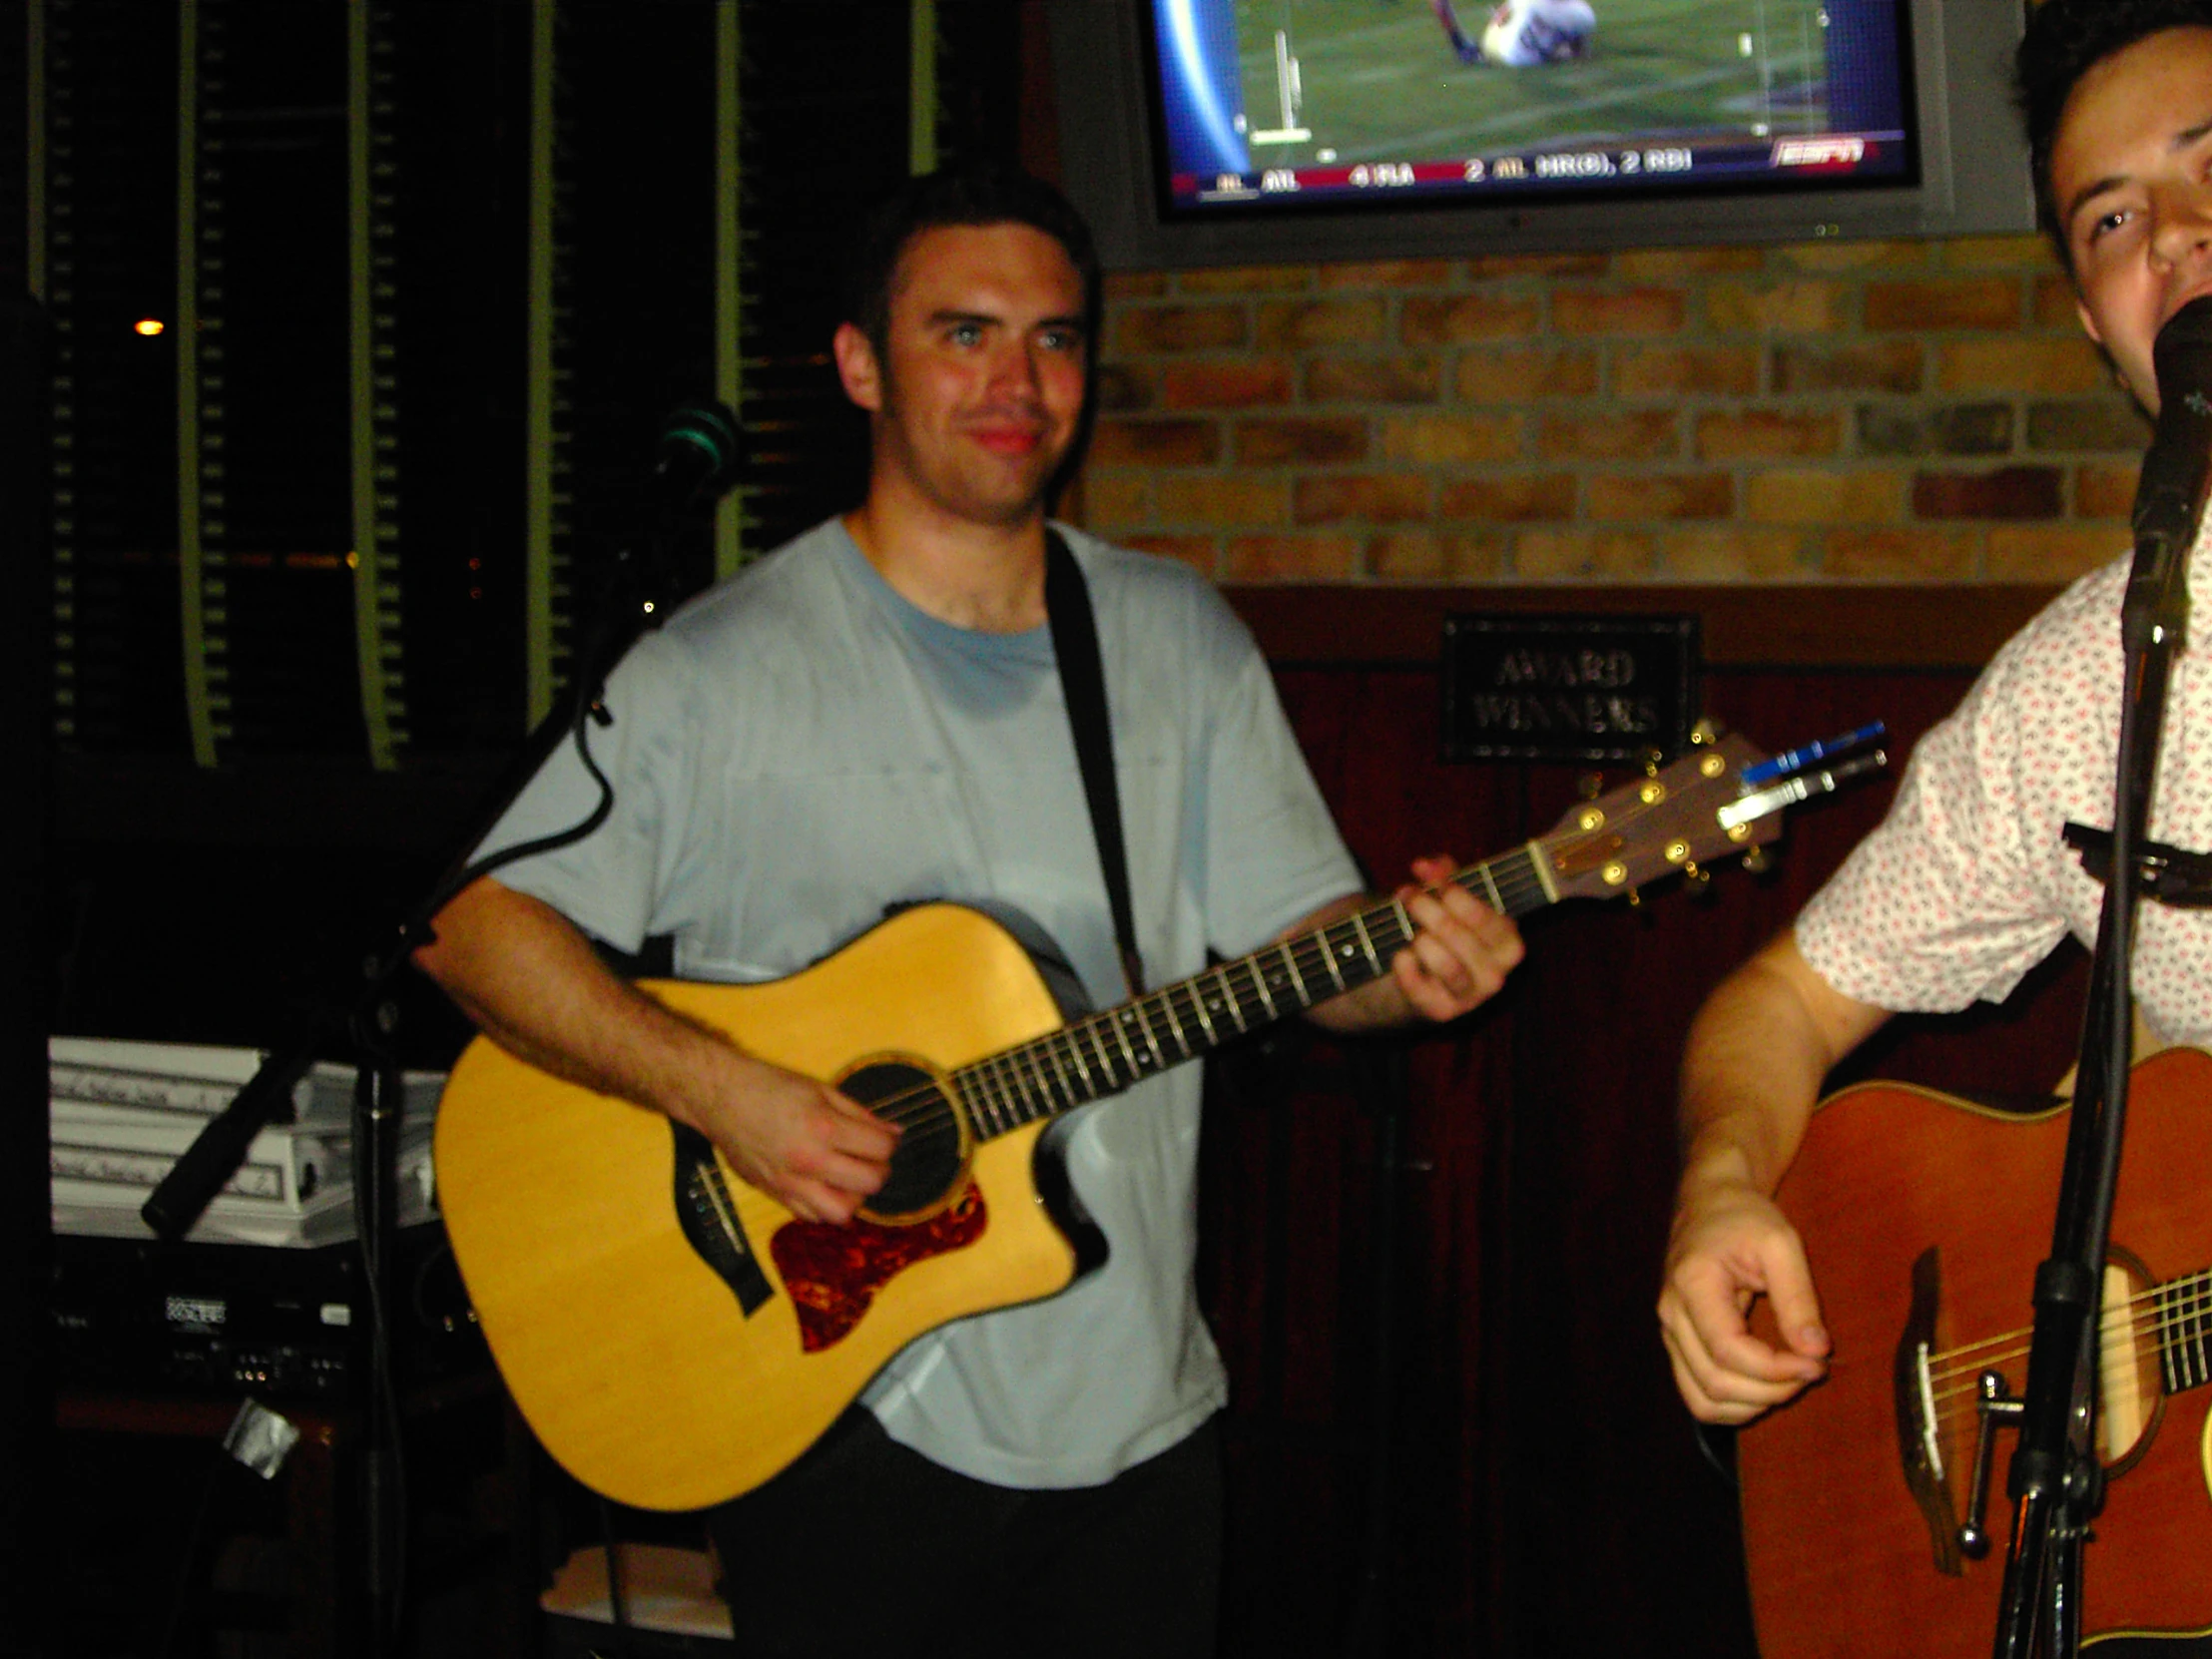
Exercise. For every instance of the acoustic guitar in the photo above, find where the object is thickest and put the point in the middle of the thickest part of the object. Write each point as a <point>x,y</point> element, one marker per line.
<point>1924,1219</point>
<point>676,1336</point>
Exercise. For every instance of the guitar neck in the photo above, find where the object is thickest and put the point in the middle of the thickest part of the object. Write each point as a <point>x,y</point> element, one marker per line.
<point>1105,1053</point>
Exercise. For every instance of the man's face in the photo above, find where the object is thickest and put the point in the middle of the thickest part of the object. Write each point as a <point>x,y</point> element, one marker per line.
<point>977,397</point>
<point>2131,173</point>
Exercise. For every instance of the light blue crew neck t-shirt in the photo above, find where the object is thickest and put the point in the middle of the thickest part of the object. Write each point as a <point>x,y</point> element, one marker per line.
<point>801,750</point>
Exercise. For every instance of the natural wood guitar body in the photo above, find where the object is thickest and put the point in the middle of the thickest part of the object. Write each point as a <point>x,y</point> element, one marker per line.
<point>674,1337</point>
<point>628,1356</point>
<point>1841,1556</point>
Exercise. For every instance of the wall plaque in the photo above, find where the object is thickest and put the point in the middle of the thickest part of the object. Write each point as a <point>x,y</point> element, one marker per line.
<point>1568,688</point>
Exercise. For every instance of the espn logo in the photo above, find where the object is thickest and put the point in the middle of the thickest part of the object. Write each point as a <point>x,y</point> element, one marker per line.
<point>1819,152</point>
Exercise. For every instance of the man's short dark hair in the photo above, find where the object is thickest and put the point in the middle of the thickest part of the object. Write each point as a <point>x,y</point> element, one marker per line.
<point>981,193</point>
<point>2065,39</point>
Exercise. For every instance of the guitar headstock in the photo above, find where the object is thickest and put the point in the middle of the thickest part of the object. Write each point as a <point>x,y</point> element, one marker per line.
<point>1664,825</point>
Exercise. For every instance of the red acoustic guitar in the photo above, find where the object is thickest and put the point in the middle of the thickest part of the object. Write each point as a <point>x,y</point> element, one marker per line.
<point>1924,1219</point>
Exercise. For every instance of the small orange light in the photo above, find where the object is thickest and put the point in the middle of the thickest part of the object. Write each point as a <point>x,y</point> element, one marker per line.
<point>149,326</point>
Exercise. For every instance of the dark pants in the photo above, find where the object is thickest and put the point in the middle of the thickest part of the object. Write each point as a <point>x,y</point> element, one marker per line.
<point>863,1547</point>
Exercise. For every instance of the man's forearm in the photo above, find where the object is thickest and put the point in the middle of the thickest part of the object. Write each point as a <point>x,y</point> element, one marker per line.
<point>1752,1070</point>
<point>535,986</point>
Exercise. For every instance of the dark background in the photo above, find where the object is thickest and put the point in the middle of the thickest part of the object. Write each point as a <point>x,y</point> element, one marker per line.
<point>1546,1491</point>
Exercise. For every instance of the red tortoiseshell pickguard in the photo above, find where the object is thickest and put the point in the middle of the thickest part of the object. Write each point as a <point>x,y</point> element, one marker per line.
<point>833,1273</point>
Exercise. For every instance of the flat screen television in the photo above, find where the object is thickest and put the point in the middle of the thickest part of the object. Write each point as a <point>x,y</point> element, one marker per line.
<point>1225,131</point>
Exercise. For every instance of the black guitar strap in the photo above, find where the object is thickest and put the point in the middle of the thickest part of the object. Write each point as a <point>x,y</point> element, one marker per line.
<point>1067,607</point>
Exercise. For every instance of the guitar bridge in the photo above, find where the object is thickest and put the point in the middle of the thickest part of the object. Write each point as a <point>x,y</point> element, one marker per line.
<point>1920,1425</point>
<point>2130,1403</point>
<point>708,1216</point>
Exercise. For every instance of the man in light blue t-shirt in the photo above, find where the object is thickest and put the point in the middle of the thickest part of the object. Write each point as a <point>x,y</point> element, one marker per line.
<point>874,716</point>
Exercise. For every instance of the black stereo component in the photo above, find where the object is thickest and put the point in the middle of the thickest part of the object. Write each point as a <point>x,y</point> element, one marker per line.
<point>278,1324</point>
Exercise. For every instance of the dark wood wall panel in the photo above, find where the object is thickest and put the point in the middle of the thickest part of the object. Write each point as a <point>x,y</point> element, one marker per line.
<point>1548,1495</point>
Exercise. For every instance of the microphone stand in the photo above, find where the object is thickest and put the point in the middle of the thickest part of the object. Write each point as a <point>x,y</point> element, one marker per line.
<point>2055,1479</point>
<point>696,463</point>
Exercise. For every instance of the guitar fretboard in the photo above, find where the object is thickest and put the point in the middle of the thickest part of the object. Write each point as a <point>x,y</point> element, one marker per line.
<point>1107,1052</point>
<point>2185,1331</point>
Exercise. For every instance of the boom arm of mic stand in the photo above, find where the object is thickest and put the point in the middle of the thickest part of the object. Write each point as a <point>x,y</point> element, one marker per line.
<point>218,1149</point>
<point>215,1153</point>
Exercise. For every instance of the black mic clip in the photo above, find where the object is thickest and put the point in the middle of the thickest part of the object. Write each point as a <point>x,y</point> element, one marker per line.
<point>2170,874</point>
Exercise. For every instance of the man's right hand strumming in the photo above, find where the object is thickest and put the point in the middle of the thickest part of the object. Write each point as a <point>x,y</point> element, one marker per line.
<point>1751,1071</point>
<point>533,984</point>
<point>814,1151</point>
<point>1731,1246</point>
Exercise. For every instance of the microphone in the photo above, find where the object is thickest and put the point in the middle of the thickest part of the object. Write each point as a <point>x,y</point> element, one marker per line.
<point>2178,472</point>
<point>696,459</point>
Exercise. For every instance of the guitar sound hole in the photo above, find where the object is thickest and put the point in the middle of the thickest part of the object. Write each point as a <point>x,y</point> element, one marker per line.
<point>927,1165</point>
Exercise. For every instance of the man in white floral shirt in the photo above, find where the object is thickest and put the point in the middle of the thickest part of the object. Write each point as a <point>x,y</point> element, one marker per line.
<point>1968,882</point>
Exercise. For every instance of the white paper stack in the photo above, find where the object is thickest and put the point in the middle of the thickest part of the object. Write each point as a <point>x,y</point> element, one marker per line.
<point>121,1113</point>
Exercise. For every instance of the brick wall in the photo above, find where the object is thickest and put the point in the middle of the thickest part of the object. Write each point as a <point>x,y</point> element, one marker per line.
<point>1834,412</point>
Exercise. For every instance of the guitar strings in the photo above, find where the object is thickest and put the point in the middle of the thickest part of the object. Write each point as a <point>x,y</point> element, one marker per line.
<point>1384,928</point>
<point>2114,1318</point>
<point>2117,1318</point>
<point>2138,1313</point>
<point>1953,1402</point>
<point>926,1109</point>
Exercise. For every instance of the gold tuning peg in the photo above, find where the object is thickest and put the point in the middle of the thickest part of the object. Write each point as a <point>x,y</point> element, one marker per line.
<point>1704,732</point>
<point>1635,900</point>
<point>1590,785</point>
<point>1649,759</point>
<point>1756,860</point>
